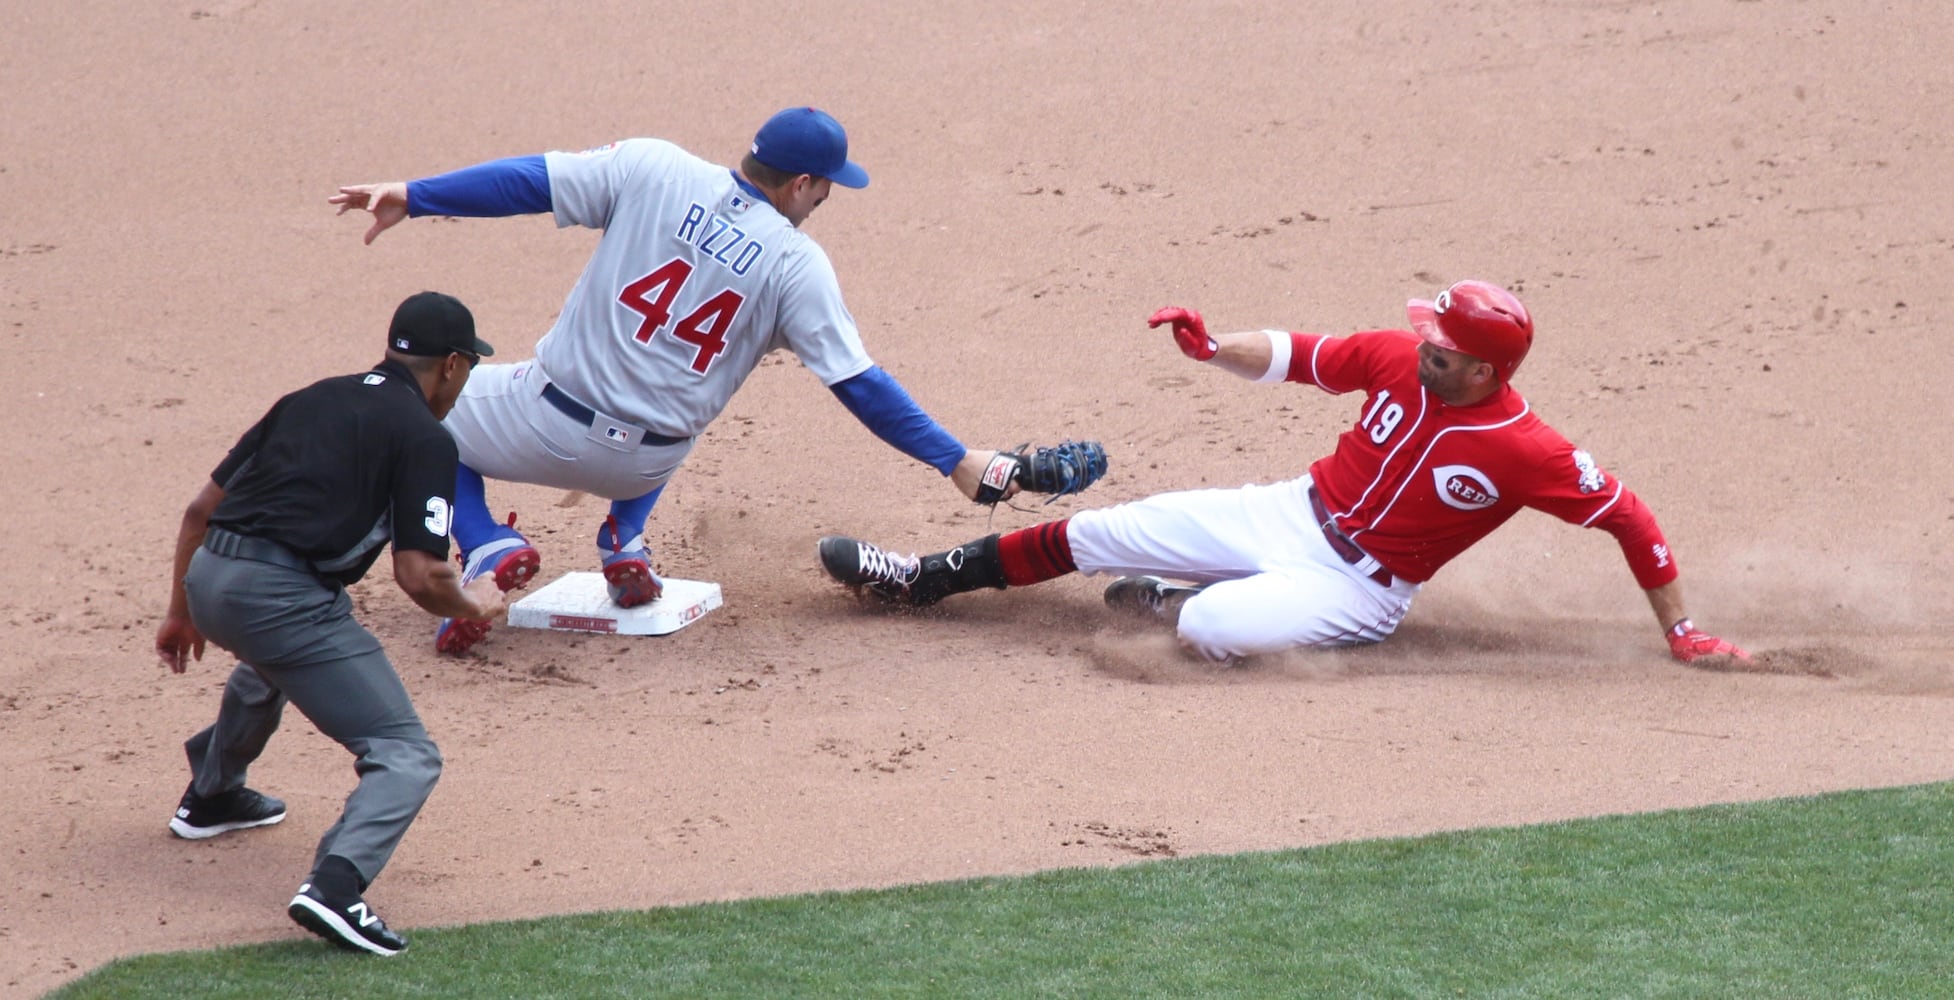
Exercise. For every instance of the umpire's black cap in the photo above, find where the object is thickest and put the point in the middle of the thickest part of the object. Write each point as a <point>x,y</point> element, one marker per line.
<point>430,324</point>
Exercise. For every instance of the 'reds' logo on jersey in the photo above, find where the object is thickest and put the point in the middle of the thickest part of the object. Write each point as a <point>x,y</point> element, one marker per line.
<point>1464,487</point>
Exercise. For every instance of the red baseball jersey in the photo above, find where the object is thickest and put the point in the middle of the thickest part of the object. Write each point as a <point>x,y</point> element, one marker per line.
<point>1415,482</point>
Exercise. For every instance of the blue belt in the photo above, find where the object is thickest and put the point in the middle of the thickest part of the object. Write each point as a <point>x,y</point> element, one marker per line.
<point>585,415</point>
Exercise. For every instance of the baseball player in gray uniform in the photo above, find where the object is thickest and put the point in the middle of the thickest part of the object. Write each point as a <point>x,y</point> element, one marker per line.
<point>702,271</point>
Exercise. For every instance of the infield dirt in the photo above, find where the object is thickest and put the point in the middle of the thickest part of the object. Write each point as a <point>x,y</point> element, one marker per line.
<point>1731,220</point>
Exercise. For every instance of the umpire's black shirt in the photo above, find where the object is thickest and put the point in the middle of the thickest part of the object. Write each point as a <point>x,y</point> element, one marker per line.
<point>335,469</point>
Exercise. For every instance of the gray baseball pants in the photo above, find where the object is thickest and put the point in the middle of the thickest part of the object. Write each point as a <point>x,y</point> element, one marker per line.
<point>296,641</point>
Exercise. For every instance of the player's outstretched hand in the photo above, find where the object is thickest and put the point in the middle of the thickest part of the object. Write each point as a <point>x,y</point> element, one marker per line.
<point>1688,643</point>
<point>387,202</point>
<point>1190,333</point>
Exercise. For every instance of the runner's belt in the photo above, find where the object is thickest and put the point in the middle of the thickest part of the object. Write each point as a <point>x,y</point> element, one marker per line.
<point>569,407</point>
<point>1341,544</point>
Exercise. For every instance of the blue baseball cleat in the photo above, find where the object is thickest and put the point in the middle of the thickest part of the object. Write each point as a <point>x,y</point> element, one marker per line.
<point>513,561</point>
<point>627,571</point>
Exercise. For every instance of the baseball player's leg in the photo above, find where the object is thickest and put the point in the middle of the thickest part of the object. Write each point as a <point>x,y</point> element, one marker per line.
<point>1299,606</point>
<point>487,548</point>
<point>474,524</point>
<point>622,553</point>
<point>1269,579</point>
<point>1017,559</point>
<point>485,422</point>
<point>505,429</point>
<point>1201,536</point>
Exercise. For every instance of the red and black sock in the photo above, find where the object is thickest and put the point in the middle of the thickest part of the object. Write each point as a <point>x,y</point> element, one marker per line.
<point>1035,554</point>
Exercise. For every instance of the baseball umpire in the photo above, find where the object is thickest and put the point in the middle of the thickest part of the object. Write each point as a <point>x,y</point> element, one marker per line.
<point>701,272</point>
<point>1444,451</point>
<point>300,508</point>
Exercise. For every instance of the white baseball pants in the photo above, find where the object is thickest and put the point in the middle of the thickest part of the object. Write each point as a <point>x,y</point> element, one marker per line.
<point>1274,583</point>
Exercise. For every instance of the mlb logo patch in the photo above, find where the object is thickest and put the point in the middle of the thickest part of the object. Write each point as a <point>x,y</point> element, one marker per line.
<point>617,434</point>
<point>400,343</point>
<point>374,379</point>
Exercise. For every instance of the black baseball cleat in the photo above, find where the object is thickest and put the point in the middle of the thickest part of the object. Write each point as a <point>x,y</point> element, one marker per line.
<point>347,922</point>
<point>1147,596</point>
<point>912,581</point>
<point>238,809</point>
<point>869,569</point>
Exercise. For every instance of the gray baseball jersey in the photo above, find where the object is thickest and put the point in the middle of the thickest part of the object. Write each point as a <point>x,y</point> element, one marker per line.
<point>693,282</point>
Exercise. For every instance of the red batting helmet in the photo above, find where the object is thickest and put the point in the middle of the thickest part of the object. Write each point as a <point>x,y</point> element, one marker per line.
<point>1476,318</point>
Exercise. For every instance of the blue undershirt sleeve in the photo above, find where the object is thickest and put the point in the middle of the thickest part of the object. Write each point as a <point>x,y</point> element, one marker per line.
<point>518,185</point>
<point>884,407</point>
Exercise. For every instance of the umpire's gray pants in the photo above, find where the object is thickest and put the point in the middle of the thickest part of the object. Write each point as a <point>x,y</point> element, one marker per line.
<point>296,639</point>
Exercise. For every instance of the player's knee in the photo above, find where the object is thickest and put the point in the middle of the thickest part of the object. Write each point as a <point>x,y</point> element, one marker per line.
<point>1206,632</point>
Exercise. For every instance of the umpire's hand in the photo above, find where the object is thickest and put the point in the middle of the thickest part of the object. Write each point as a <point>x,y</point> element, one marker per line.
<point>177,642</point>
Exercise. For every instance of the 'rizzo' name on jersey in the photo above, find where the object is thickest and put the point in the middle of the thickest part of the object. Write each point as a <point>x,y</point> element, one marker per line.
<point>720,239</point>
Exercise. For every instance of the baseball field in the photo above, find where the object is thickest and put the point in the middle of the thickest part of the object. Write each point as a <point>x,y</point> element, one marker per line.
<point>1731,222</point>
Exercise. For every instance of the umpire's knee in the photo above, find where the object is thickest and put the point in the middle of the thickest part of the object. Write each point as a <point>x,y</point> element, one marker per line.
<point>414,760</point>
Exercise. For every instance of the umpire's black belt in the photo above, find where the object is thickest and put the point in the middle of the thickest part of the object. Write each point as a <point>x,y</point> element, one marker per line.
<point>264,550</point>
<point>585,415</point>
<point>1341,544</point>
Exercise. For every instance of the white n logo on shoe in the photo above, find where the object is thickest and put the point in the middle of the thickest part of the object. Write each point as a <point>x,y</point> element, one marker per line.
<point>367,917</point>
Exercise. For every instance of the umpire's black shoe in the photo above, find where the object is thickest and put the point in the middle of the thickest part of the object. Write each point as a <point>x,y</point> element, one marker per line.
<point>197,818</point>
<point>1148,596</point>
<point>346,922</point>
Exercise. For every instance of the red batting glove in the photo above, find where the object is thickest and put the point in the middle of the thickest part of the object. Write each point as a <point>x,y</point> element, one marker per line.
<point>1189,332</point>
<point>1687,642</point>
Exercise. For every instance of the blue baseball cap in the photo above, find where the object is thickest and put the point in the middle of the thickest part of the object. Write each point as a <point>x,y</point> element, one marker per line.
<point>808,141</point>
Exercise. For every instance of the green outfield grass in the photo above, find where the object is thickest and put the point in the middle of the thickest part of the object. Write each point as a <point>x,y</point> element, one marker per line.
<point>1848,895</point>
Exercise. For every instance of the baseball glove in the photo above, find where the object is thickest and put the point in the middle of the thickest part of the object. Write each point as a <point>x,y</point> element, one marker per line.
<point>1067,467</point>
